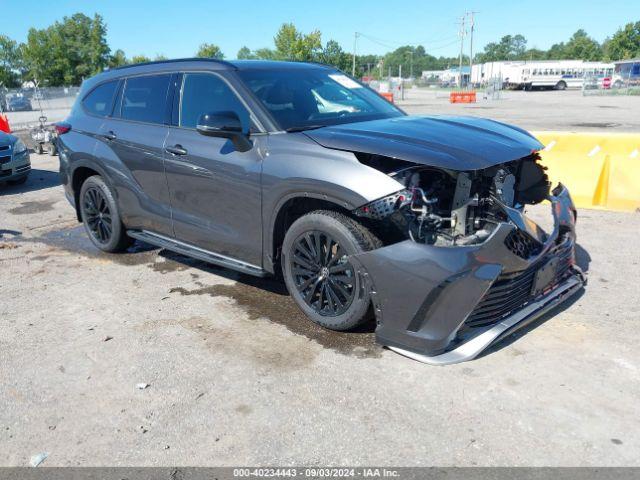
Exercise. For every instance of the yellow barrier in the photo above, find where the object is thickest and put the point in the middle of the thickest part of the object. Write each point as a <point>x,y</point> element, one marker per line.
<point>601,170</point>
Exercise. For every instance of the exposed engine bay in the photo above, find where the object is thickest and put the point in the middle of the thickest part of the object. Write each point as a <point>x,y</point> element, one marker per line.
<point>447,207</point>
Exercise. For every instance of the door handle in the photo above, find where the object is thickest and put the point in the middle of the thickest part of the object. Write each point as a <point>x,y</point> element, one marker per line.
<point>176,150</point>
<point>109,135</point>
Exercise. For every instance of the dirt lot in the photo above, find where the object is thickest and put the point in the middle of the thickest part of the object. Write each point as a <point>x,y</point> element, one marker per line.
<point>237,376</point>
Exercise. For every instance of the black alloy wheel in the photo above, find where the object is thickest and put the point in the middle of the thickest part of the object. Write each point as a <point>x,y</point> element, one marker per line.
<point>97,214</point>
<point>322,273</point>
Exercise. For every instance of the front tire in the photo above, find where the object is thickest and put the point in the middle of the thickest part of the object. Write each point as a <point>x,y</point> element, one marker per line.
<point>100,216</point>
<point>317,271</point>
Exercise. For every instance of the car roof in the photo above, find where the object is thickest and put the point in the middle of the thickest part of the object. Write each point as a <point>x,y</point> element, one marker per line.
<point>181,63</point>
<point>197,64</point>
<point>275,65</point>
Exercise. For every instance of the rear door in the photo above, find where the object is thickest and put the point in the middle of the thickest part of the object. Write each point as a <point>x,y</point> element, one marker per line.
<point>215,189</point>
<point>134,136</point>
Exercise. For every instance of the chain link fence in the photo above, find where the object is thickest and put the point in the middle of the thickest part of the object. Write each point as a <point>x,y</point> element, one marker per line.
<point>625,80</point>
<point>24,107</point>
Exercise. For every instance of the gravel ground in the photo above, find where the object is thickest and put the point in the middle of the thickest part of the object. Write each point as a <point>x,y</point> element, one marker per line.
<point>538,110</point>
<point>237,376</point>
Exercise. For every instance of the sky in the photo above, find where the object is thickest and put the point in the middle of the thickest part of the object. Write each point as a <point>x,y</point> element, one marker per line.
<point>176,29</point>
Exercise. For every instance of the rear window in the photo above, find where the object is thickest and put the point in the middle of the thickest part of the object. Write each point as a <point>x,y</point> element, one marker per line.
<point>145,98</point>
<point>99,101</point>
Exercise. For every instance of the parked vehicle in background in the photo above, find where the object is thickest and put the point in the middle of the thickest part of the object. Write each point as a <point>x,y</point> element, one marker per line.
<point>562,77</point>
<point>15,164</point>
<point>541,74</point>
<point>293,168</point>
<point>16,102</point>
<point>627,74</point>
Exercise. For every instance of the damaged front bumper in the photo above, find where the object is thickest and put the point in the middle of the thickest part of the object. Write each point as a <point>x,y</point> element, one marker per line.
<point>442,305</point>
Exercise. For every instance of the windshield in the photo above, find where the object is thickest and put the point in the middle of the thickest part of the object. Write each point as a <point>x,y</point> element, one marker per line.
<point>315,97</point>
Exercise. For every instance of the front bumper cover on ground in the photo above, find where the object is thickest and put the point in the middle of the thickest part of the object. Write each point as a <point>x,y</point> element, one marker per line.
<point>443,305</point>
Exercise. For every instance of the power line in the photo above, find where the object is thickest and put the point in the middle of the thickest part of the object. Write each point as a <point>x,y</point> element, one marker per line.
<point>392,43</point>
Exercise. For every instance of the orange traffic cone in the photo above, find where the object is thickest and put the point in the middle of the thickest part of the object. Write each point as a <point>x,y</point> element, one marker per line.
<point>4,124</point>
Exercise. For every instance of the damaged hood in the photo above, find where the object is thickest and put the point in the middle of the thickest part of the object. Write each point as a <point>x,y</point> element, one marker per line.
<point>456,143</point>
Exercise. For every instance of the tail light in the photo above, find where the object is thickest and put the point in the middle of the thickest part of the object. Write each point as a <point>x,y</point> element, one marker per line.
<point>62,128</point>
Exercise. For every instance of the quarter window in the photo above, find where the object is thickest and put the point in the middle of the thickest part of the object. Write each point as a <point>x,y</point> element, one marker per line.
<point>99,101</point>
<point>145,98</point>
<point>206,93</point>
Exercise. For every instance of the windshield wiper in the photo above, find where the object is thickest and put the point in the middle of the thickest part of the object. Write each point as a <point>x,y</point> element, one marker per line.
<point>302,128</point>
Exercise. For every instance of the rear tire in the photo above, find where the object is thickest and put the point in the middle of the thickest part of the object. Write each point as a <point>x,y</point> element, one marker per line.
<point>318,274</point>
<point>52,150</point>
<point>561,85</point>
<point>100,216</point>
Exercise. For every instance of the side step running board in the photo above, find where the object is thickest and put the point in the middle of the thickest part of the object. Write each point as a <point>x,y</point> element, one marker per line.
<point>195,252</point>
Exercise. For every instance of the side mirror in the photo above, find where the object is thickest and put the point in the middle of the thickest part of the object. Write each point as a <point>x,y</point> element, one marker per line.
<point>224,125</point>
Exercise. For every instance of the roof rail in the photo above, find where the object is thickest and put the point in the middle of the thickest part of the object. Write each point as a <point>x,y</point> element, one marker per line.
<point>176,60</point>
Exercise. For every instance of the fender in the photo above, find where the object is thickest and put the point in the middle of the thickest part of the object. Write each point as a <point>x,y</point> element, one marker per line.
<point>296,167</point>
<point>72,195</point>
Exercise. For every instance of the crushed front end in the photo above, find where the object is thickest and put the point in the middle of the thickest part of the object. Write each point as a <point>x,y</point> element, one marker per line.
<point>462,265</point>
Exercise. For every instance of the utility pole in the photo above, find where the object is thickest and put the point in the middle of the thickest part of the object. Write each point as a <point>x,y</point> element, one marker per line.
<point>411,65</point>
<point>461,49</point>
<point>471,46</point>
<point>355,45</point>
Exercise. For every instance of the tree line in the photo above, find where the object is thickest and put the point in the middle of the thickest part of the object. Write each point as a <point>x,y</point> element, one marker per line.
<point>76,48</point>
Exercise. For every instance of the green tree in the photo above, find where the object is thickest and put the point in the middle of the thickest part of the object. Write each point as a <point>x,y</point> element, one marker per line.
<point>10,57</point>
<point>140,59</point>
<point>583,47</point>
<point>160,57</point>
<point>413,58</point>
<point>265,54</point>
<point>558,51</point>
<point>534,54</point>
<point>625,43</point>
<point>332,54</point>
<point>294,45</point>
<point>245,54</point>
<point>118,59</point>
<point>66,52</point>
<point>510,47</point>
<point>579,47</point>
<point>209,50</point>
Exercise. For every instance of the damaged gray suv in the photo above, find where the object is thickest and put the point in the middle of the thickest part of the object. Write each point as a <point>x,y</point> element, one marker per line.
<point>294,168</point>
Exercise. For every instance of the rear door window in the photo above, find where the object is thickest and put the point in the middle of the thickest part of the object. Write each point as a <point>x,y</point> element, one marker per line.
<point>100,100</point>
<point>145,99</point>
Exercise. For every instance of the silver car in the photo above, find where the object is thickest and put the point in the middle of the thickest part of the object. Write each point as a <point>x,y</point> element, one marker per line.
<point>15,164</point>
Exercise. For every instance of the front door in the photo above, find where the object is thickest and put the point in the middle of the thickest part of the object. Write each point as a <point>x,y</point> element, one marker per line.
<point>214,189</point>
